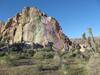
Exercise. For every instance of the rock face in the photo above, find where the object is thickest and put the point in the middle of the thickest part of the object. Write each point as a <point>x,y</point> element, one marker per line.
<point>33,26</point>
<point>1,28</point>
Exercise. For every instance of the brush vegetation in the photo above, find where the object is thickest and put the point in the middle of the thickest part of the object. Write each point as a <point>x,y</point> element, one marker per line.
<point>19,60</point>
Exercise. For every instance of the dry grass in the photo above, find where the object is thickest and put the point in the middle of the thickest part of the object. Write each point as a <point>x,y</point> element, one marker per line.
<point>26,70</point>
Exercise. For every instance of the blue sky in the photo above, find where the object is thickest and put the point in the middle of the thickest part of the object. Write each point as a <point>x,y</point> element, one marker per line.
<point>74,16</point>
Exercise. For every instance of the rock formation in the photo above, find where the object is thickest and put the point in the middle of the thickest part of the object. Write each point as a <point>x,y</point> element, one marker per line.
<point>1,28</point>
<point>33,26</point>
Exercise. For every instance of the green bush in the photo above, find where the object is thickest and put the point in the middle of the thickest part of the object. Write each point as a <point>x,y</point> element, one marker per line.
<point>4,61</point>
<point>2,44</point>
<point>46,49</point>
<point>2,54</point>
<point>44,53</point>
<point>39,55</point>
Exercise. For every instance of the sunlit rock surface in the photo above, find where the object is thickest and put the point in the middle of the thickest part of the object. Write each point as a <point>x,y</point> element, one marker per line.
<point>33,26</point>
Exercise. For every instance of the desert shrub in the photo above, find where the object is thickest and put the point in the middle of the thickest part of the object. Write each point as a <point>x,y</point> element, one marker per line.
<point>3,48</point>
<point>93,65</point>
<point>4,61</point>
<point>23,56</point>
<point>46,65</point>
<point>21,50</point>
<point>28,52</point>
<point>12,49</point>
<point>2,44</point>
<point>16,47</point>
<point>49,55</point>
<point>74,66</point>
<point>39,55</point>
<point>74,53</point>
<point>44,53</point>
<point>2,54</point>
<point>47,49</point>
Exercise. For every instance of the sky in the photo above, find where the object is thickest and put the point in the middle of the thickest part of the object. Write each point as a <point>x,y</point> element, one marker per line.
<point>74,16</point>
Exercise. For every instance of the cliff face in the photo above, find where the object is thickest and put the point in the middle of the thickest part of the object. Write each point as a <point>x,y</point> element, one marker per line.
<point>33,26</point>
<point>1,28</point>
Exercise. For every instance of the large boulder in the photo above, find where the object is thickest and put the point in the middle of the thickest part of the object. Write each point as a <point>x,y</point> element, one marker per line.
<point>33,26</point>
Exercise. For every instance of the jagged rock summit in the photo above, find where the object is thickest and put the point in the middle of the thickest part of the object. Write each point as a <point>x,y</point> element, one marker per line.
<point>33,26</point>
